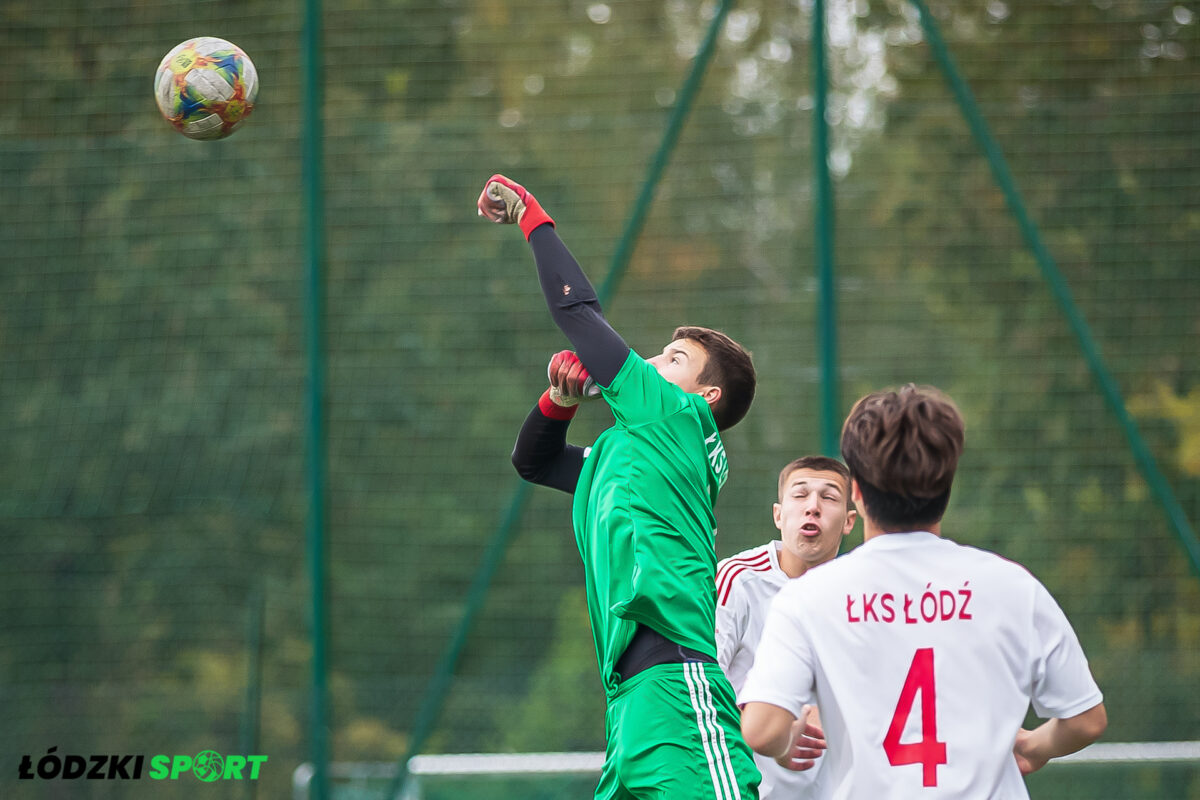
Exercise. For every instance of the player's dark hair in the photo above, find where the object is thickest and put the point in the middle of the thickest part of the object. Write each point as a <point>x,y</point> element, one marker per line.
<point>727,365</point>
<point>903,448</point>
<point>817,464</point>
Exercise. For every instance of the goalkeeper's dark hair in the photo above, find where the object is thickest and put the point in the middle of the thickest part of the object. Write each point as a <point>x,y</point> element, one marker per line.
<point>902,447</point>
<point>727,365</point>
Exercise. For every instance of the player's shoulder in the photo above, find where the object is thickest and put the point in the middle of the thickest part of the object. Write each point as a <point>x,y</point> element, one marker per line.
<point>984,565</point>
<point>755,559</point>
<point>757,563</point>
<point>991,560</point>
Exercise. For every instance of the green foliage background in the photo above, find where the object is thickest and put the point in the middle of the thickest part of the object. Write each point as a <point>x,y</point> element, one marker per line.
<point>152,364</point>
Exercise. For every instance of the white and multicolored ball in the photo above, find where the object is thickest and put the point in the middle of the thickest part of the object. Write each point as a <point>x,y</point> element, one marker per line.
<point>206,87</point>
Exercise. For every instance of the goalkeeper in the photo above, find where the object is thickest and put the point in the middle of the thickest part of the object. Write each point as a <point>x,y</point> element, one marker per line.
<point>644,523</point>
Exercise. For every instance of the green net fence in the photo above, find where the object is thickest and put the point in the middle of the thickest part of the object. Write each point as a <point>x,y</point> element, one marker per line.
<point>152,357</point>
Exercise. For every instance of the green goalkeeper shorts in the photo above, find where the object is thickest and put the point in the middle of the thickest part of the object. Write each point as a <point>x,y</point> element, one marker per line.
<point>673,733</point>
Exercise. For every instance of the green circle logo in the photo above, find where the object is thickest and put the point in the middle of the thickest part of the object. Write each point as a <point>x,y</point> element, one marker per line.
<point>208,765</point>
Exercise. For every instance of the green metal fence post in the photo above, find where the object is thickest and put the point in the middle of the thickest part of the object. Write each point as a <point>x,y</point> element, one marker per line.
<point>1062,293</point>
<point>823,216</point>
<point>314,246</point>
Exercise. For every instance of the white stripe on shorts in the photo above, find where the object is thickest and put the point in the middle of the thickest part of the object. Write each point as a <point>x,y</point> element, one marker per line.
<point>736,793</point>
<point>712,735</point>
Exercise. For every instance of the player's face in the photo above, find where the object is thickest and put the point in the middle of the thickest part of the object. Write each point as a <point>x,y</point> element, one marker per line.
<point>812,516</point>
<point>681,363</point>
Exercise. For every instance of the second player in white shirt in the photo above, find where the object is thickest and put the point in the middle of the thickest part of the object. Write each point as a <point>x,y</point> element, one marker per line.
<point>813,516</point>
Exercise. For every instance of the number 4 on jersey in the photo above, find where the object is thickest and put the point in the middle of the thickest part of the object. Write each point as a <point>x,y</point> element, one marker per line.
<point>928,752</point>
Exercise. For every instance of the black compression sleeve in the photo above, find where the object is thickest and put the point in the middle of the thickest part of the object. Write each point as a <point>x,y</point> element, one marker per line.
<point>575,308</point>
<point>542,455</point>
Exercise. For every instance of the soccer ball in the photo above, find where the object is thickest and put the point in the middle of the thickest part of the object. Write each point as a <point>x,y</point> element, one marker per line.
<point>206,87</point>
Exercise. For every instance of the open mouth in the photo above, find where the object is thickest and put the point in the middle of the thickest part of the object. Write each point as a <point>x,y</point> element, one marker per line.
<point>810,529</point>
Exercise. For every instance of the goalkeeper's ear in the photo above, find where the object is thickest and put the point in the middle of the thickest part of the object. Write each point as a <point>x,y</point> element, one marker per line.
<point>711,394</point>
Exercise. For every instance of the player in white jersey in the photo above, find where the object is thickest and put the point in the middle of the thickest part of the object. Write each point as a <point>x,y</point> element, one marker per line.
<point>923,655</point>
<point>813,515</point>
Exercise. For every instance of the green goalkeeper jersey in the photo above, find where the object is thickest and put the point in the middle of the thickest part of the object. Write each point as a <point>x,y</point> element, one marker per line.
<point>643,516</point>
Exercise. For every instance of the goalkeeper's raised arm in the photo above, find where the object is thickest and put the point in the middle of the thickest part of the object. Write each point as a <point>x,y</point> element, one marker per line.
<point>569,294</point>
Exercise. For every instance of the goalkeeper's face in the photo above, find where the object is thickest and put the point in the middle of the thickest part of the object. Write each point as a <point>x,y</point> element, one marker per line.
<point>681,363</point>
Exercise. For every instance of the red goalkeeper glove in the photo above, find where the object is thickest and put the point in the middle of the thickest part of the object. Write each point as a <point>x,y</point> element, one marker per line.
<point>505,201</point>
<point>570,383</point>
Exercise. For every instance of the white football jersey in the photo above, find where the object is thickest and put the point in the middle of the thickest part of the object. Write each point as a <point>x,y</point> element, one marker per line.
<point>746,585</point>
<point>923,656</point>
